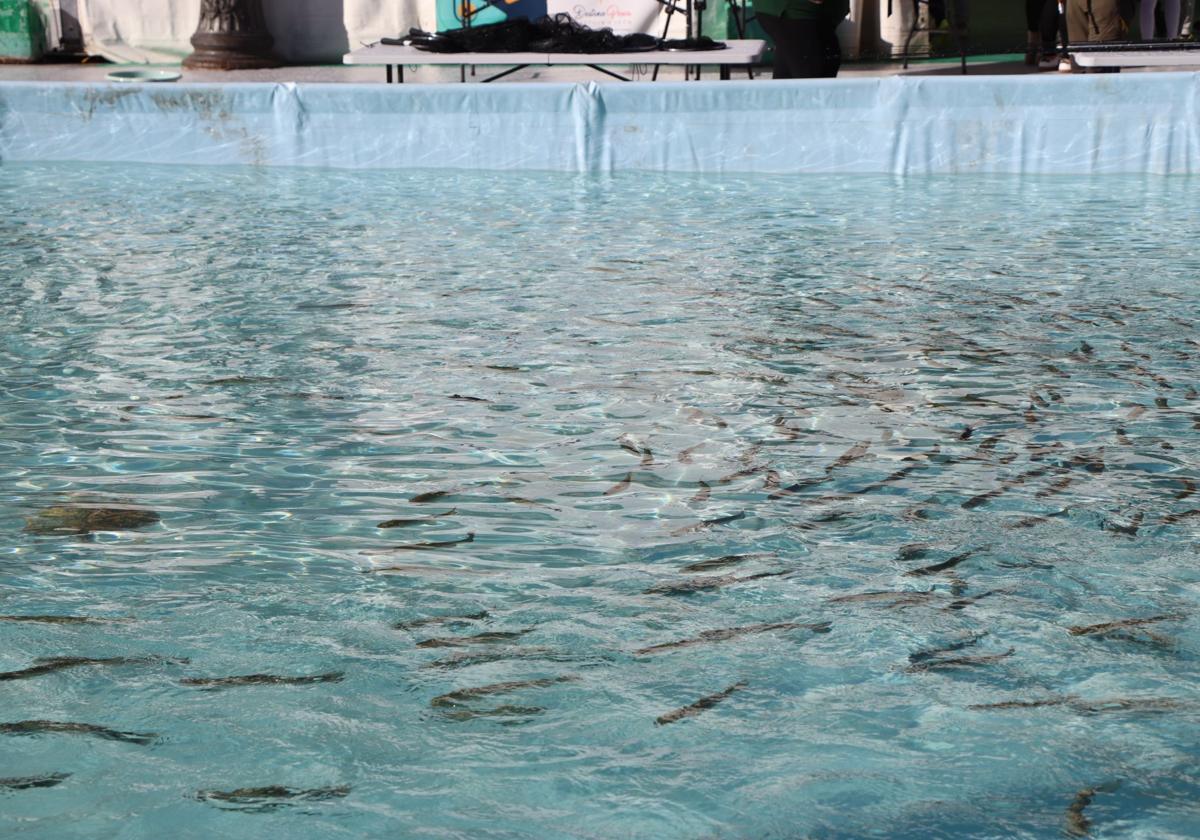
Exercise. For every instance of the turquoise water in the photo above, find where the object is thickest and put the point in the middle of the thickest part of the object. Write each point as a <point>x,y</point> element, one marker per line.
<point>913,430</point>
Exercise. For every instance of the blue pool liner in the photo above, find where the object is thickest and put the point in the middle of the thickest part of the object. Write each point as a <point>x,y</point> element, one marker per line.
<point>1081,125</point>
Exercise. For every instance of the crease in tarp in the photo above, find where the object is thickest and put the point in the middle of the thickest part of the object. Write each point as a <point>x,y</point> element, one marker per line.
<point>1145,123</point>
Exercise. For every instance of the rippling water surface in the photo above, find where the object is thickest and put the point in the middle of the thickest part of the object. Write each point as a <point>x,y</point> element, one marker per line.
<point>866,449</point>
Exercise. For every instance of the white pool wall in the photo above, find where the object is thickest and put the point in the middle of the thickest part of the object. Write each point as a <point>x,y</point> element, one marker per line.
<point>1078,125</point>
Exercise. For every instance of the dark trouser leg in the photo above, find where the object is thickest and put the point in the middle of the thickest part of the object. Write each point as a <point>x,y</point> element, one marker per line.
<point>1033,15</point>
<point>1049,26</point>
<point>831,49</point>
<point>800,47</point>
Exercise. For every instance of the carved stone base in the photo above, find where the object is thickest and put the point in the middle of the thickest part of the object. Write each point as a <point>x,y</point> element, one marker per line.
<point>232,35</point>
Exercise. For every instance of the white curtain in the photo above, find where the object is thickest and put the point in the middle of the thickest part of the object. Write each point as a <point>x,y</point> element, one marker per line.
<point>314,31</point>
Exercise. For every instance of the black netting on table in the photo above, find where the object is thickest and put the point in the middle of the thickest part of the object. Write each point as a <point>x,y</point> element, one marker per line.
<point>551,34</point>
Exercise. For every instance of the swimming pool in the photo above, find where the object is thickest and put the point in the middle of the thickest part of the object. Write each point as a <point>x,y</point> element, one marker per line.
<point>717,507</point>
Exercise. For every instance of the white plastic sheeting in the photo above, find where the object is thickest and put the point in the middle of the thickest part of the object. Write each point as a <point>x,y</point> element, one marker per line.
<point>1136,123</point>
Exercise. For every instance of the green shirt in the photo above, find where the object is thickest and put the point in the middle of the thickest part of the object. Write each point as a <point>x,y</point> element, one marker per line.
<point>803,9</point>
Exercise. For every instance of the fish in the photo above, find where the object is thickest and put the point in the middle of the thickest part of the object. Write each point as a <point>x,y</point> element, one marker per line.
<point>1127,704</point>
<point>211,683</point>
<point>1135,412</point>
<point>943,566</point>
<point>771,480</point>
<point>1171,518</point>
<point>241,380</point>
<point>1130,530</point>
<point>966,433</point>
<point>466,658</point>
<point>963,603</point>
<point>708,523</point>
<point>700,584</point>
<point>462,696</point>
<point>685,455</point>
<point>439,619</point>
<point>505,710</point>
<point>405,568</point>
<point>702,494</point>
<point>634,447</point>
<point>422,546</point>
<point>1077,825</point>
<point>1023,704</point>
<point>851,455</point>
<point>720,562</point>
<point>1161,402</point>
<point>621,486</point>
<point>733,632</point>
<point>467,398</point>
<point>1055,487</point>
<point>899,474</point>
<point>506,368</point>
<point>41,727</point>
<point>59,619</point>
<point>1189,487</point>
<point>693,709</point>
<point>797,487</point>
<point>521,500</point>
<point>913,551</point>
<point>28,782</point>
<point>892,599</point>
<point>1005,486</point>
<point>477,639</point>
<point>270,798</point>
<point>936,653</point>
<point>72,519</point>
<point>959,662</point>
<point>431,496</point>
<point>50,664</point>
<point>1096,629</point>
<point>405,523</point>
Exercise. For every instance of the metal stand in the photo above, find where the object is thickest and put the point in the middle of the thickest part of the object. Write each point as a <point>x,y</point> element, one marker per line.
<point>231,35</point>
<point>673,6</point>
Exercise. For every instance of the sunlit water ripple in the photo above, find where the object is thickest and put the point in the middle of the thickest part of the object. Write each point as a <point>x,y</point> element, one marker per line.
<point>954,415</point>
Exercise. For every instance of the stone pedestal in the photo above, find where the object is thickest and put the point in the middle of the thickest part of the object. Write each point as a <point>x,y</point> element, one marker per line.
<point>232,35</point>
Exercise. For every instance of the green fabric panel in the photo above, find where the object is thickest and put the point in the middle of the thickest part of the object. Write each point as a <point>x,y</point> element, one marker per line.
<point>20,31</point>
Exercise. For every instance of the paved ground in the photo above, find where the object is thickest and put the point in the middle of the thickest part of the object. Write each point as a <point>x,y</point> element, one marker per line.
<point>95,72</point>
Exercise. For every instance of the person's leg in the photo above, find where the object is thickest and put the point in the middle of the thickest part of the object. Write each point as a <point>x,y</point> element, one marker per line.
<point>1146,19</point>
<point>799,48</point>
<point>1048,27</point>
<point>1033,23</point>
<point>1171,12</point>
<point>831,48</point>
<point>780,64</point>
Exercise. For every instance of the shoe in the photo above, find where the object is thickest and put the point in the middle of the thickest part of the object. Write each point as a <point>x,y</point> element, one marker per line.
<point>1065,65</point>
<point>1048,62</point>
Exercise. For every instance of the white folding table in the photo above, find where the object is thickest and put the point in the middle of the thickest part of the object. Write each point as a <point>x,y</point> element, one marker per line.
<point>737,53</point>
<point>1137,58</point>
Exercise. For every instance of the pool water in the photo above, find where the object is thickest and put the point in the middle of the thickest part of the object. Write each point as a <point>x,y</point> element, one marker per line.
<point>758,507</point>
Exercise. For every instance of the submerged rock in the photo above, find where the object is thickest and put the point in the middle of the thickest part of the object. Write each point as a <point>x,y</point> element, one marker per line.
<point>73,519</point>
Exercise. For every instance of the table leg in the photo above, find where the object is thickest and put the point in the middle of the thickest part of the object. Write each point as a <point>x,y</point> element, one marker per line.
<point>724,72</point>
<point>388,68</point>
<point>400,73</point>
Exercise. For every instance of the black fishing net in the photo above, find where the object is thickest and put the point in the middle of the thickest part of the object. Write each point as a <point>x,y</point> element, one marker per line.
<point>551,34</point>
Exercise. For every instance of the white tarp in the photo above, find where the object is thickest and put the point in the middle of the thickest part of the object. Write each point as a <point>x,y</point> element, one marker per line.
<point>903,125</point>
<point>314,31</point>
